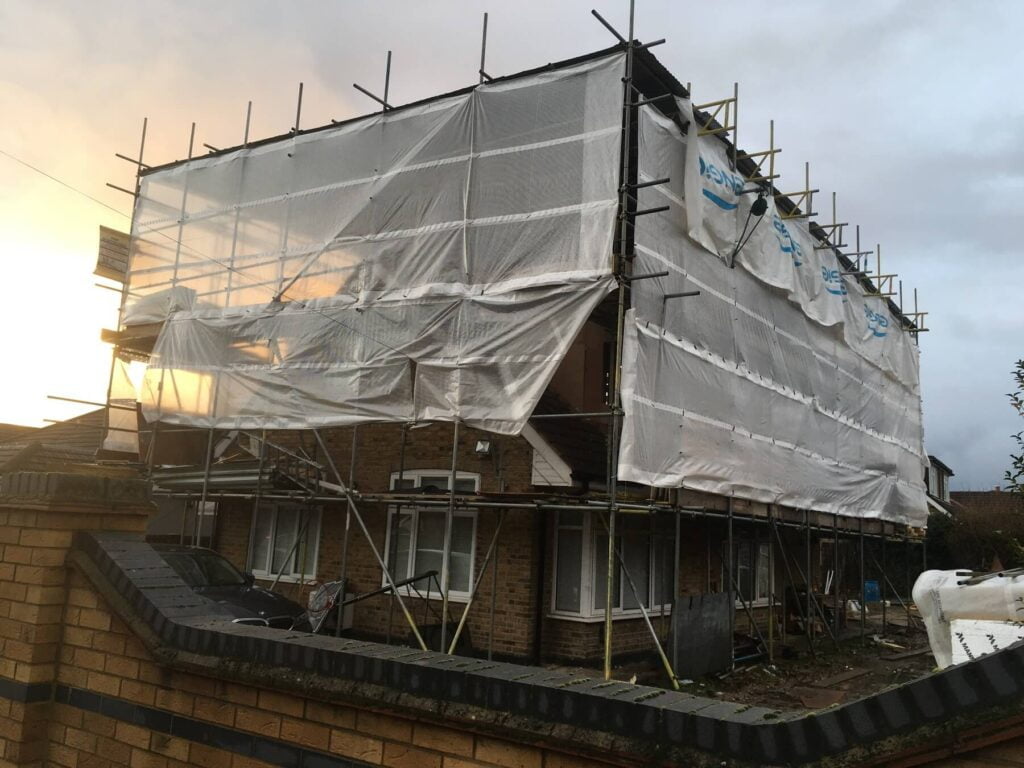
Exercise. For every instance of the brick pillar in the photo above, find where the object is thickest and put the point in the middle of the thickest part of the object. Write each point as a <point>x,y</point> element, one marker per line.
<point>39,513</point>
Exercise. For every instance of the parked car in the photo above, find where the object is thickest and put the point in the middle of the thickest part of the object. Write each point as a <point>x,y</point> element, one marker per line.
<point>214,577</point>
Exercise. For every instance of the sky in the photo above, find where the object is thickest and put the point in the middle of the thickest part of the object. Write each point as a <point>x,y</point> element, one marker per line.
<point>911,112</point>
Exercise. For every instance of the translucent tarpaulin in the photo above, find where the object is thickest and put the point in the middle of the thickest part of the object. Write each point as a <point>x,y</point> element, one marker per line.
<point>781,382</point>
<point>434,262</point>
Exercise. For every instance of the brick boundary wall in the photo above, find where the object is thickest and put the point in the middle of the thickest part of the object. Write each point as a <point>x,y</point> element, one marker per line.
<point>90,679</point>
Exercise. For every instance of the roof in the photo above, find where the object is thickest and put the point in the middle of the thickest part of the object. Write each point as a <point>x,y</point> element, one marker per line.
<point>73,441</point>
<point>10,432</point>
<point>38,456</point>
<point>85,431</point>
<point>990,502</point>
<point>941,465</point>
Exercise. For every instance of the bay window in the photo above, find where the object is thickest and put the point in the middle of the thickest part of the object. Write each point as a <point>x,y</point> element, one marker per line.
<point>647,546</point>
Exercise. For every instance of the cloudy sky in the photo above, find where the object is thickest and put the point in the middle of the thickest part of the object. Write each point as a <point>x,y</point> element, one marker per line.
<point>912,112</point>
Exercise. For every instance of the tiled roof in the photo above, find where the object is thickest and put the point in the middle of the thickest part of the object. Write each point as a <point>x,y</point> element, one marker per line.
<point>991,502</point>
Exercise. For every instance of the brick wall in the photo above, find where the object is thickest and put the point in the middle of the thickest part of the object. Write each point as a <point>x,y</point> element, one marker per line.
<point>101,656</point>
<point>35,532</point>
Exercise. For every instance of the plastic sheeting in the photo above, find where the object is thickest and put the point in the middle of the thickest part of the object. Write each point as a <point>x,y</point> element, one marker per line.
<point>434,262</point>
<point>781,382</point>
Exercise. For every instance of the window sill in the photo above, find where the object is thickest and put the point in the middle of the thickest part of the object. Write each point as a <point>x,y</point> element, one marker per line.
<point>306,580</point>
<point>654,613</point>
<point>453,597</point>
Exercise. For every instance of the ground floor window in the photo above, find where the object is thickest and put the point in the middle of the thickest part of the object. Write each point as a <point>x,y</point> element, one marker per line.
<point>285,539</point>
<point>646,544</point>
<point>752,568</point>
<point>415,539</point>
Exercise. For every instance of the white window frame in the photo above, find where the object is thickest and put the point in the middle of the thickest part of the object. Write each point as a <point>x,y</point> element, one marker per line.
<point>755,545</point>
<point>313,536</point>
<point>415,476</point>
<point>588,613</point>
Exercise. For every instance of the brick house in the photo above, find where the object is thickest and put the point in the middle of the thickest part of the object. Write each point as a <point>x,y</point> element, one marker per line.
<point>773,490</point>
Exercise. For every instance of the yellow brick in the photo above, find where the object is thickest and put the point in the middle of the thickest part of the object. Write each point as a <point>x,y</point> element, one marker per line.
<point>214,710</point>
<point>45,595</point>
<point>241,694</point>
<point>207,757</point>
<point>34,574</point>
<point>89,659</point>
<point>17,555</point>
<point>48,557</point>
<point>133,735</point>
<point>79,739</point>
<point>384,726</point>
<point>258,721</point>
<point>404,756</point>
<point>281,702</point>
<point>108,642</point>
<point>507,754</point>
<point>144,759</point>
<point>357,746</point>
<point>102,683</point>
<point>340,717</point>
<point>443,739</point>
<point>141,693</point>
<point>174,748</point>
<point>94,619</point>
<point>34,537</point>
<point>34,673</point>
<point>305,733</point>
<point>122,667</point>
<point>83,598</point>
<point>458,762</point>
<point>178,702</point>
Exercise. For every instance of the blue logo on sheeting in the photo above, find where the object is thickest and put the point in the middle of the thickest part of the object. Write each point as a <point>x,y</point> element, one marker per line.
<point>728,181</point>
<point>786,242</point>
<point>833,281</point>
<point>877,324</point>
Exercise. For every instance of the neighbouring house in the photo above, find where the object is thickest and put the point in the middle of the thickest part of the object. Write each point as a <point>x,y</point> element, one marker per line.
<point>63,446</point>
<point>936,479</point>
<point>467,338</point>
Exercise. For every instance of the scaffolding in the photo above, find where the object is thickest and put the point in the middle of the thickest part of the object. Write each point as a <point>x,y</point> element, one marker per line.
<point>317,480</point>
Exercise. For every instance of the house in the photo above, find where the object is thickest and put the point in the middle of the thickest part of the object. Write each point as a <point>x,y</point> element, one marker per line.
<point>60,446</point>
<point>936,478</point>
<point>530,355</point>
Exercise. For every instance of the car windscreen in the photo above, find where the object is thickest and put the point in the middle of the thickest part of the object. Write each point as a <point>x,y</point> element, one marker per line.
<point>203,569</point>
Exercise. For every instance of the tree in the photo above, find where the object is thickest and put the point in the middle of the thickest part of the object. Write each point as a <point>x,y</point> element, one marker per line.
<point>1015,475</point>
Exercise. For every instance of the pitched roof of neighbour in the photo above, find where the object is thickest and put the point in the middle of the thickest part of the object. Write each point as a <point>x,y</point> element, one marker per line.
<point>991,502</point>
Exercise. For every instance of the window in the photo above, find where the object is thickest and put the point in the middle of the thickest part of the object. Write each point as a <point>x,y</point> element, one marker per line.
<point>646,544</point>
<point>751,567</point>
<point>273,548</point>
<point>415,537</point>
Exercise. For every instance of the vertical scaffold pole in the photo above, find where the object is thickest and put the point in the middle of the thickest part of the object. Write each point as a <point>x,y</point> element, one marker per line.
<point>676,573</point>
<point>835,576</point>
<point>731,584</point>
<point>619,269</point>
<point>345,534</point>
<point>396,522</point>
<point>881,584</point>
<point>771,591</point>
<point>906,581</point>
<point>863,585</point>
<point>807,576</point>
<point>483,50</point>
<point>446,553</point>
<point>369,540</point>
